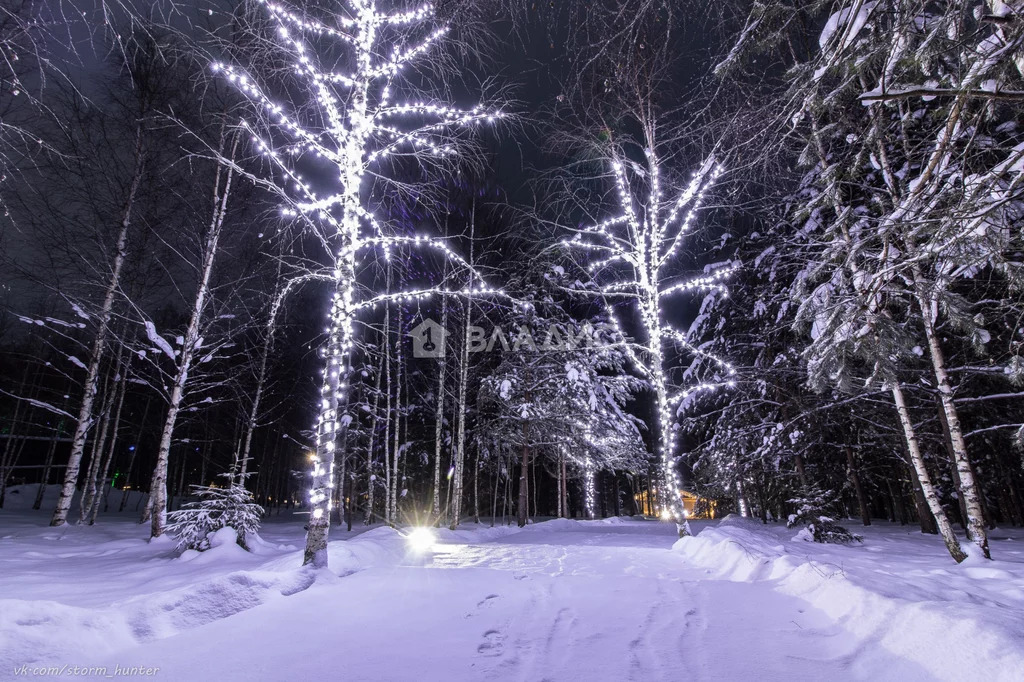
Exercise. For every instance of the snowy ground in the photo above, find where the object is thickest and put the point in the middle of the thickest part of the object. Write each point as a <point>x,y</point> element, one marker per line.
<point>561,600</point>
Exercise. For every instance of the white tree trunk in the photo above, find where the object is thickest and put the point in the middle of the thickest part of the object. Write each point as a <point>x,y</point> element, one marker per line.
<point>394,489</point>
<point>439,418</point>
<point>319,525</point>
<point>523,507</point>
<point>667,500</point>
<point>741,498</point>
<point>111,404</point>
<point>388,419</point>
<point>370,478</point>
<point>968,486</point>
<point>340,320</point>
<point>917,459</point>
<point>565,489</point>
<point>476,488</point>
<point>158,486</point>
<point>67,492</point>
<point>460,438</point>
<point>96,455</point>
<point>101,495</point>
<point>245,454</point>
<point>261,381</point>
<point>558,474</point>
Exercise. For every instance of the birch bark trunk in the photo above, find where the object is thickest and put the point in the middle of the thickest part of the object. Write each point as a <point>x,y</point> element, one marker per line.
<point>388,420</point>
<point>522,509</point>
<point>968,486</point>
<point>439,417</point>
<point>261,381</point>
<point>67,492</point>
<point>158,486</point>
<point>399,358</point>
<point>371,479</point>
<point>102,489</point>
<point>98,448</point>
<point>460,438</point>
<point>917,459</point>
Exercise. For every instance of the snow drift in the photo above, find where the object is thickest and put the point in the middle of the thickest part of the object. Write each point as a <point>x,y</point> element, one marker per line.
<point>956,622</point>
<point>228,580</point>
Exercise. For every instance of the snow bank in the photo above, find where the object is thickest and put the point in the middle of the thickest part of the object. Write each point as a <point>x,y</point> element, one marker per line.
<point>474,533</point>
<point>36,630</point>
<point>956,622</point>
<point>68,591</point>
<point>383,546</point>
<point>174,593</point>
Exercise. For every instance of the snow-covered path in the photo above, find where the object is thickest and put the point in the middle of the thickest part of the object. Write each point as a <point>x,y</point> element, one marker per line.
<point>558,601</point>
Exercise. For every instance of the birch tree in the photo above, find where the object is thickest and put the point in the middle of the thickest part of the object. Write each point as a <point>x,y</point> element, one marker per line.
<point>943,171</point>
<point>108,186</point>
<point>356,113</point>
<point>636,257</point>
<point>193,344</point>
<point>910,195</point>
<point>459,456</point>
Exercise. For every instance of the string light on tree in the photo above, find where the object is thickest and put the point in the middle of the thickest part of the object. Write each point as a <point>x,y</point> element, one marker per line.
<point>636,258</point>
<point>357,124</point>
<point>589,473</point>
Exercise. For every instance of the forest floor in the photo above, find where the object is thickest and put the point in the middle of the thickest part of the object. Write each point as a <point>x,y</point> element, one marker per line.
<point>616,599</point>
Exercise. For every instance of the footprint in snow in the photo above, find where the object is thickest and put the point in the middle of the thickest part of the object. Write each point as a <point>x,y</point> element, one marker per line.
<point>492,645</point>
<point>486,601</point>
<point>482,605</point>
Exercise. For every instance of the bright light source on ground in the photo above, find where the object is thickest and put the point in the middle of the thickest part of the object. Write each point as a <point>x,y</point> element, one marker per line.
<point>666,514</point>
<point>421,539</point>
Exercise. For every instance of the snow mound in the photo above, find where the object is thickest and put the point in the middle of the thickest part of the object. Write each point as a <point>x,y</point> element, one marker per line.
<point>223,547</point>
<point>956,622</point>
<point>383,546</point>
<point>553,524</point>
<point>33,630</point>
<point>466,533</point>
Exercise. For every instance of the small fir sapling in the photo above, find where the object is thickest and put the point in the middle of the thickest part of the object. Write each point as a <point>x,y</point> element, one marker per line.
<point>228,507</point>
<point>816,525</point>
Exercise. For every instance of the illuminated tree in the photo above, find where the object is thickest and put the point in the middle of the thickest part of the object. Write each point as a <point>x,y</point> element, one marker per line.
<point>350,110</point>
<point>638,255</point>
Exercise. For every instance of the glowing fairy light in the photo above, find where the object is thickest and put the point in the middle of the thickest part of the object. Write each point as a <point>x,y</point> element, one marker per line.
<point>359,126</point>
<point>589,474</point>
<point>633,255</point>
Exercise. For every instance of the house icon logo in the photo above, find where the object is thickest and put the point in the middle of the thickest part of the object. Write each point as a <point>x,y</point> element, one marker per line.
<point>428,339</point>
